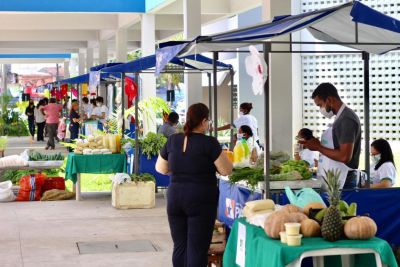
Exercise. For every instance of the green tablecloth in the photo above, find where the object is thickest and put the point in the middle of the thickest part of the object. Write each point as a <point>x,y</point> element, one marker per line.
<point>260,250</point>
<point>108,163</point>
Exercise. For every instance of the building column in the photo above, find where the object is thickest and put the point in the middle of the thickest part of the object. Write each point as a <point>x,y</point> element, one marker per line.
<point>103,52</point>
<point>148,39</point>
<point>285,87</point>
<point>4,78</point>
<point>89,58</point>
<point>82,63</point>
<point>121,43</point>
<point>66,69</point>
<point>191,29</point>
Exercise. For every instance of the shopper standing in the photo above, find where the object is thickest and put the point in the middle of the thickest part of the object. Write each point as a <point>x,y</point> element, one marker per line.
<point>30,112</point>
<point>192,159</point>
<point>100,113</point>
<point>52,111</point>
<point>75,120</point>
<point>40,120</point>
<point>169,127</point>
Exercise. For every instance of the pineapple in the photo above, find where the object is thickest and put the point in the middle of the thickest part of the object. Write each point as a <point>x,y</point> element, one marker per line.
<point>332,225</point>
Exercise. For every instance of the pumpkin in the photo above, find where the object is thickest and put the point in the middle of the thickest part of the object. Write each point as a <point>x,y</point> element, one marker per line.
<point>310,228</point>
<point>291,208</point>
<point>360,227</point>
<point>297,217</point>
<point>275,223</point>
<point>314,206</point>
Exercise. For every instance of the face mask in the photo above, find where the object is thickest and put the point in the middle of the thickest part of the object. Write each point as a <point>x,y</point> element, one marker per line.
<point>239,136</point>
<point>241,113</point>
<point>375,158</point>
<point>99,104</point>
<point>326,113</point>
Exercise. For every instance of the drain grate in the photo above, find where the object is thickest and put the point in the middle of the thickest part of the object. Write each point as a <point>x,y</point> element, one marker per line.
<point>116,247</point>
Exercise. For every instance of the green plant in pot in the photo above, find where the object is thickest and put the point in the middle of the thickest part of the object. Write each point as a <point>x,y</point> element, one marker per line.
<point>152,144</point>
<point>143,177</point>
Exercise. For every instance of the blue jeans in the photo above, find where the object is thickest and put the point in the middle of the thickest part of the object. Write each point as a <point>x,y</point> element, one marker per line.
<point>351,180</point>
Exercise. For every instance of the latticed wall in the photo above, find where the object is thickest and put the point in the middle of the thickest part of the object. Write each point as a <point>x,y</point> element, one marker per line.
<point>345,71</point>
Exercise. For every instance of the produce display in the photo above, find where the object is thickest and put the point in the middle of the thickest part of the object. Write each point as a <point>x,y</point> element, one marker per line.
<point>360,227</point>
<point>289,170</point>
<point>101,144</point>
<point>241,154</point>
<point>37,156</point>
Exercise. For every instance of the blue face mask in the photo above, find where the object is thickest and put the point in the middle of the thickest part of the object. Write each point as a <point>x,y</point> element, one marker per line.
<point>375,158</point>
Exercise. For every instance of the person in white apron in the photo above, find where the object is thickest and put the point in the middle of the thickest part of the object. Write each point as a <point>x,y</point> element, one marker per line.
<point>340,144</point>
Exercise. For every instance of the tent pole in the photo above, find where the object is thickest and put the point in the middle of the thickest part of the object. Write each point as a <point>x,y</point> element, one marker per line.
<point>267,193</point>
<point>215,58</point>
<point>365,57</point>
<point>123,103</point>
<point>136,165</point>
<point>210,94</point>
<point>232,74</point>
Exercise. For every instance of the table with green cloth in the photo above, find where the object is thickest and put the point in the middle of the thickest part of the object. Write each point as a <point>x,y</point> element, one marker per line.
<point>260,250</point>
<point>97,164</point>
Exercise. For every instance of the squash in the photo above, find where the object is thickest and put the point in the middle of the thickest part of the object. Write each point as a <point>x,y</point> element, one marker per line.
<point>297,217</point>
<point>275,223</point>
<point>291,208</point>
<point>314,206</point>
<point>310,228</point>
<point>360,227</point>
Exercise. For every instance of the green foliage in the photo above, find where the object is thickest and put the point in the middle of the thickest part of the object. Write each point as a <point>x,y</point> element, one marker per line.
<point>296,165</point>
<point>143,177</point>
<point>152,144</point>
<point>134,55</point>
<point>37,156</point>
<point>11,123</point>
<point>15,175</point>
<point>251,175</point>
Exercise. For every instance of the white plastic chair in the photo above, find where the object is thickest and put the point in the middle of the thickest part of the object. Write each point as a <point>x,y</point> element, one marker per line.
<point>347,255</point>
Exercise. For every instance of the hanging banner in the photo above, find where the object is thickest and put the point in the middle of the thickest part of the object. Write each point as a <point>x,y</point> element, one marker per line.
<point>94,81</point>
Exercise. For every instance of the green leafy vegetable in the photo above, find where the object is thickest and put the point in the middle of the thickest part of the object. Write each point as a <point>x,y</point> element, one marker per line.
<point>37,156</point>
<point>152,144</point>
<point>143,177</point>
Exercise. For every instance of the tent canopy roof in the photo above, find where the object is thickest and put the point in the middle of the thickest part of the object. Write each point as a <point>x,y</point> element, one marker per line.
<point>194,62</point>
<point>352,24</point>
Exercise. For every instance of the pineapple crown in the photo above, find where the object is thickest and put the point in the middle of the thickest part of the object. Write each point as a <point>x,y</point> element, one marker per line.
<point>332,181</point>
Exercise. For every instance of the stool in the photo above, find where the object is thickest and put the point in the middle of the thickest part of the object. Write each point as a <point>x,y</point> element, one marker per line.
<point>218,244</point>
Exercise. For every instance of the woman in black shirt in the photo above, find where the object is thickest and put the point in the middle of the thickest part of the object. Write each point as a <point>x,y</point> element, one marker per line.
<point>75,119</point>
<point>192,159</point>
<point>30,112</point>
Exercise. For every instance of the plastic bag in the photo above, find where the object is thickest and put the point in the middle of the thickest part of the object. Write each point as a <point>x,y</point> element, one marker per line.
<point>30,187</point>
<point>303,197</point>
<point>120,178</point>
<point>53,183</point>
<point>6,193</point>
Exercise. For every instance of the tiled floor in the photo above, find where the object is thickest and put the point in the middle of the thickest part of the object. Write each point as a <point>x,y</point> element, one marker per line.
<point>44,234</point>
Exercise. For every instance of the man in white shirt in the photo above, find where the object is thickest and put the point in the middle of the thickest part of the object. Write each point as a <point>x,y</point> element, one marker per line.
<point>86,107</point>
<point>100,112</point>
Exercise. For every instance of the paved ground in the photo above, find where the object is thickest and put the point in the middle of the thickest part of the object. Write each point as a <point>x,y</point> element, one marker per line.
<point>44,234</point>
<point>41,234</point>
<point>17,145</point>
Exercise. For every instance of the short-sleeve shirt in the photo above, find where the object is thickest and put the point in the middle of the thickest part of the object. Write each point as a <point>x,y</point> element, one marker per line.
<point>98,111</point>
<point>39,117</point>
<point>52,111</point>
<point>250,121</point>
<point>385,171</point>
<point>74,126</point>
<point>345,130</point>
<point>196,164</point>
<point>167,130</point>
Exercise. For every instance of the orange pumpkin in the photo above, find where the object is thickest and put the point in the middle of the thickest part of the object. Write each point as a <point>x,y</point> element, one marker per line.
<point>275,223</point>
<point>310,228</point>
<point>291,208</point>
<point>360,227</point>
<point>297,217</point>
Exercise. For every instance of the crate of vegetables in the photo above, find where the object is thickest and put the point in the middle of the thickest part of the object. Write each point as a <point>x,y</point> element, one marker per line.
<point>37,159</point>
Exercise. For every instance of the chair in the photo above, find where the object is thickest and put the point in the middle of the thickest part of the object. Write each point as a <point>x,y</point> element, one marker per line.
<point>218,244</point>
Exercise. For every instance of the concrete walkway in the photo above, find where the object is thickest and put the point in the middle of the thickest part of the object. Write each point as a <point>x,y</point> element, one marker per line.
<point>41,234</point>
<point>17,145</point>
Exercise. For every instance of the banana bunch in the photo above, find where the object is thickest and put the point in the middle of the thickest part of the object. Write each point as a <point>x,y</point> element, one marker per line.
<point>344,208</point>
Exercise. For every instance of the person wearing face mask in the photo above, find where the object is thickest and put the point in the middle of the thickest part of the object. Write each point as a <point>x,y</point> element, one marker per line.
<point>100,113</point>
<point>304,153</point>
<point>245,118</point>
<point>246,133</point>
<point>383,170</point>
<point>30,112</point>
<point>340,144</point>
<point>192,159</point>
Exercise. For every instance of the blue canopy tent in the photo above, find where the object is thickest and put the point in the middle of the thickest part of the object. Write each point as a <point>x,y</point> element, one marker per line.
<point>353,25</point>
<point>148,64</point>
